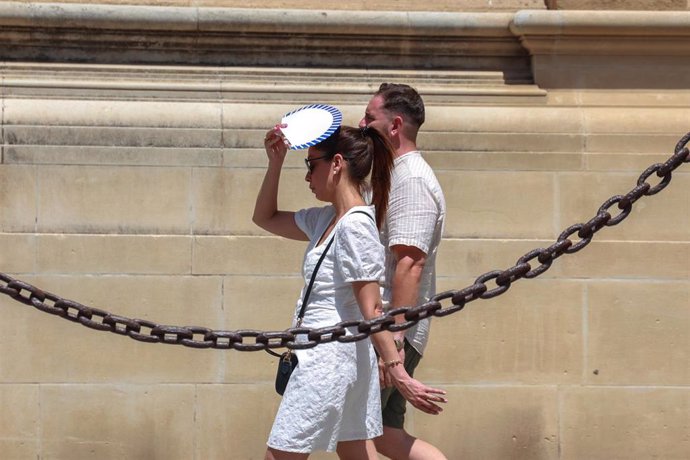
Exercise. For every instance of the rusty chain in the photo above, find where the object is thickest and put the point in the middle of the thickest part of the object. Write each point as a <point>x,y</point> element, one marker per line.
<point>202,337</point>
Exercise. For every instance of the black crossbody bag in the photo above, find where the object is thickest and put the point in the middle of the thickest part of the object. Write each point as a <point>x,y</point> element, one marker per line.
<point>288,360</point>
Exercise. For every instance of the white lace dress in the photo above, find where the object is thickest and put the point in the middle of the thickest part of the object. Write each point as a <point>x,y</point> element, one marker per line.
<point>333,394</point>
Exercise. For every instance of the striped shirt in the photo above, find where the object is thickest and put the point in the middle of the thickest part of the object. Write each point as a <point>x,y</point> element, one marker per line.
<point>415,217</point>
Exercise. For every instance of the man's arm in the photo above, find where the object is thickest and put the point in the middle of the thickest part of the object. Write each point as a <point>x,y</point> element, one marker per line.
<point>409,266</point>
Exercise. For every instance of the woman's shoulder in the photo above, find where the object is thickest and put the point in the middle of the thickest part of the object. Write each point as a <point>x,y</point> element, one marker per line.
<point>312,219</point>
<point>317,212</point>
<point>360,219</point>
<point>361,213</point>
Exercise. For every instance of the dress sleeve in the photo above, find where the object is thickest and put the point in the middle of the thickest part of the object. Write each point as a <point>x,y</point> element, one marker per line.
<point>359,253</point>
<point>308,220</point>
<point>412,215</point>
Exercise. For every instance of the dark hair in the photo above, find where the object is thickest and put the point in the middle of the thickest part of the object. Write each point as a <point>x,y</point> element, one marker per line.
<point>366,150</point>
<point>403,100</point>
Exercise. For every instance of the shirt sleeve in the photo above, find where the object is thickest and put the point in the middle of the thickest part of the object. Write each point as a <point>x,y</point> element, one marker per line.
<point>412,215</point>
<point>358,251</point>
<point>308,219</point>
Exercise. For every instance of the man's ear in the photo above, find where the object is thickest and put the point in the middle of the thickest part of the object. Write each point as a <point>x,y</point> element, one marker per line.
<point>397,124</point>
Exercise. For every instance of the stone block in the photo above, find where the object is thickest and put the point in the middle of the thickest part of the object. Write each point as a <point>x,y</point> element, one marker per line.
<point>634,260</point>
<point>661,217</point>
<point>113,136</point>
<point>113,254</point>
<point>57,350</point>
<point>632,98</point>
<point>19,425</point>
<point>224,198</point>
<point>240,255</point>
<point>624,162</point>
<point>486,422</point>
<point>19,449</point>
<point>115,156</point>
<point>111,123</point>
<point>172,300</point>
<point>500,119</point>
<point>260,302</point>
<point>491,142</point>
<point>17,253</point>
<point>90,199</point>
<point>629,122</point>
<point>610,72</point>
<point>599,260</point>
<point>498,204</point>
<point>461,160</point>
<point>632,422</point>
<point>469,258</point>
<point>18,191</point>
<point>638,333</point>
<point>243,435</point>
<point>628,260</point>
<point>118,421</point>
<point>636,143</point>
<point>528,335</point>
<point>265,303</point>
<point>94,113</point>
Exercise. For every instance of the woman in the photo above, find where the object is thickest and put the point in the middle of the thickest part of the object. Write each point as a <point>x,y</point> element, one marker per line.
<point>332,401</point>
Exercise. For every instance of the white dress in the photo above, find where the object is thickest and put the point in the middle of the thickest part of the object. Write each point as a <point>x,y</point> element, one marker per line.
<point>333,395</point>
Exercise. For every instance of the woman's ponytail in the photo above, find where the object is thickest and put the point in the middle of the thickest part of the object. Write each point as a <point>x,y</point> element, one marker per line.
<point>381,153</point>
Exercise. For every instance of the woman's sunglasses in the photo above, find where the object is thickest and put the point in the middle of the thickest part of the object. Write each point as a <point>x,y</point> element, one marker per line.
<point>307,161</point>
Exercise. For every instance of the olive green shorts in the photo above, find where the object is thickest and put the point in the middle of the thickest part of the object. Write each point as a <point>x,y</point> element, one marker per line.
<point>392,402</point>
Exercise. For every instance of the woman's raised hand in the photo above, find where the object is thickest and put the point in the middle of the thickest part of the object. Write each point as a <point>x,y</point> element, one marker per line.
<point>275,143</point>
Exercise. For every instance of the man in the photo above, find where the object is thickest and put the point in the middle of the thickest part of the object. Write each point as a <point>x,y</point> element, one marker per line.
<point>411,235</point>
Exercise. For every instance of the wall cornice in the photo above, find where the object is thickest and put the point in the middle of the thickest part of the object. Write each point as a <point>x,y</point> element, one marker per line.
<point>206,19</point>
<point>606,49</point>
<point>116,34</point>
<point>554,49</point>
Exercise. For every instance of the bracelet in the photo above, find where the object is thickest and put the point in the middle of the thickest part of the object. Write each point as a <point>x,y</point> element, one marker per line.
<point>392,363</point>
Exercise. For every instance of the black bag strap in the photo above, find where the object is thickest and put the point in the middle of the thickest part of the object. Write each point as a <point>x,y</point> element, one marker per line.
<point>305,299</point>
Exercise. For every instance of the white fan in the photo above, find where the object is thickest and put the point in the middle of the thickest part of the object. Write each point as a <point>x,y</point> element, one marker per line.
<point>310,125</point>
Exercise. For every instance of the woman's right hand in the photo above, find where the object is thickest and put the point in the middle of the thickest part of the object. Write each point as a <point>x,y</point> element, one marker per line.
<point>275,144</point>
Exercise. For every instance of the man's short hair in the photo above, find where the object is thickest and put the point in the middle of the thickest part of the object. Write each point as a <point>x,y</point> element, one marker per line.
<point>402,100</point>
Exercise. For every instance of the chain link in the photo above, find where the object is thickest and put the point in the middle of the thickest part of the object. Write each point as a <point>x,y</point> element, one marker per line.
<point>351,331</point>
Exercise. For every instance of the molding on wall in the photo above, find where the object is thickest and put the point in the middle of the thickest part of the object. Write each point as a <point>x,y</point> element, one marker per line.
<point>554,49</point>
<point>258,85</point>
<point>116,34</point>
<point>607,49</point>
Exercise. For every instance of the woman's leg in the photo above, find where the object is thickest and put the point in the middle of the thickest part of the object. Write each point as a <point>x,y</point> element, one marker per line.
<point>275,454</point>
<point>356,450</point>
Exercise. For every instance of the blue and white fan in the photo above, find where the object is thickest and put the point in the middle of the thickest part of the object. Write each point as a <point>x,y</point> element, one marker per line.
<point>310,125</point>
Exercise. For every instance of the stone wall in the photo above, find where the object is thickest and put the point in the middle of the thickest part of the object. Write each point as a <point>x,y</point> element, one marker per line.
<point>131,156</point>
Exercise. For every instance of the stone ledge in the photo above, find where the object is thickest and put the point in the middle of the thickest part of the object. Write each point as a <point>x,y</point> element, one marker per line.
<point>245,37</point>
<point>331,22</point>
<point>252,84</point>
<point>352,5</point>
<point>608,23</point>
<point>607,49</point>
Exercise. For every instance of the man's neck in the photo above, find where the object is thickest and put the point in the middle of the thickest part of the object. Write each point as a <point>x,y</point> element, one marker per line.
<point>405,147</point>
